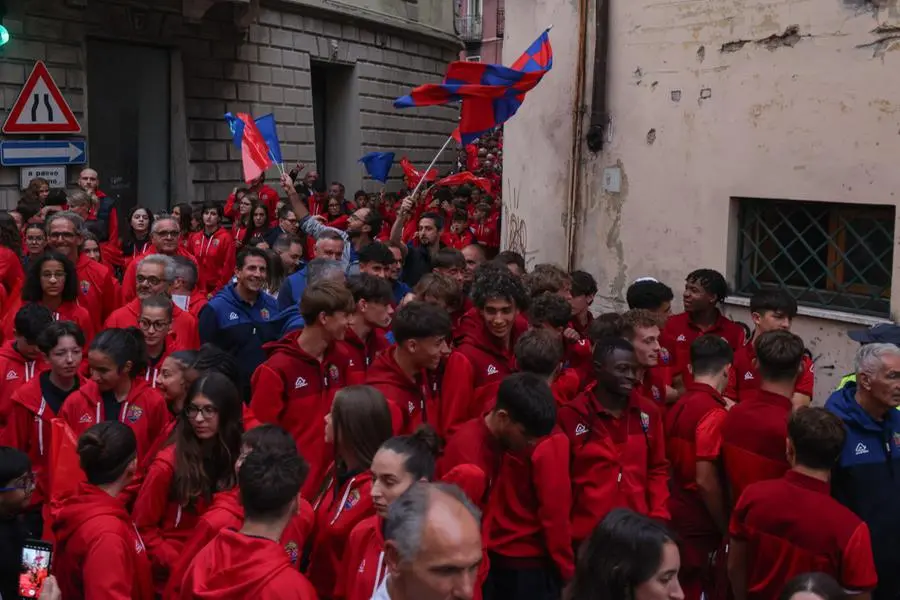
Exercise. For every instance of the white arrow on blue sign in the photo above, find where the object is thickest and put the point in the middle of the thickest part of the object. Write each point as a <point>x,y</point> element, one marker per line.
<point>21,153</point>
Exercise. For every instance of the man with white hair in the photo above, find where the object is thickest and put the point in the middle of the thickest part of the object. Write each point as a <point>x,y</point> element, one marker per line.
<point>155,274</point>
<point>432,545</point>
<point>165,236</point>
<point>96,286</point>
<point>867,477</point>
<point>329,245</point>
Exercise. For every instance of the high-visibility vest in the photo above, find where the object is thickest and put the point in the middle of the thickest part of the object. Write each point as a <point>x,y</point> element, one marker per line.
<point>851,378</point>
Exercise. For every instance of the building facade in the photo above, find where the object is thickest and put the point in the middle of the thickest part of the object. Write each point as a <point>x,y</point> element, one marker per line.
<point>150,82</point>
<point>480,24</point>
<point>758,139</point>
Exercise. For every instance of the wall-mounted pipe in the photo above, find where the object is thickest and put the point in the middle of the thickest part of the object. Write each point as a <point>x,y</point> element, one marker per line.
<point>574,191</point>
<point>597,131</point>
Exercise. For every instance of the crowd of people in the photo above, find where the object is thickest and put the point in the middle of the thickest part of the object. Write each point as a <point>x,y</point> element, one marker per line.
<point>353,399</point>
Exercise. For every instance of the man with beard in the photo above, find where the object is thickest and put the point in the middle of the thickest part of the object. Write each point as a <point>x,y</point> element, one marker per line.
<point>426,245</point>
<point>239,318</point>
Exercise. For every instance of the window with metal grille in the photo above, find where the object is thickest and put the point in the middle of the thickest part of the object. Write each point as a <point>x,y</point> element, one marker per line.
<point>827,255</point>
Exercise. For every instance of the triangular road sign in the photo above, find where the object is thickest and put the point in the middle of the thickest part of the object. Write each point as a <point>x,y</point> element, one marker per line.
<point>40,107</point>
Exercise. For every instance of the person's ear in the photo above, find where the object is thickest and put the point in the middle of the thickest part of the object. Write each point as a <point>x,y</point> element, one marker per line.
<point>392,557</point>
<point>790,452</point>
<point>127,367</point>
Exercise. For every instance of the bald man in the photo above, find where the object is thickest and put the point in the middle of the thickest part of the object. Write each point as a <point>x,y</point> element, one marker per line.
<point>104,211</point>
<point>432,545</point>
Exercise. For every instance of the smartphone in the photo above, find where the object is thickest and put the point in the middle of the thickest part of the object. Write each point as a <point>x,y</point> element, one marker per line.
<point>35,568</point>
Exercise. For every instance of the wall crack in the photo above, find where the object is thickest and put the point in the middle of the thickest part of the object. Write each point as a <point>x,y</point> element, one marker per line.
<point>790,38</point>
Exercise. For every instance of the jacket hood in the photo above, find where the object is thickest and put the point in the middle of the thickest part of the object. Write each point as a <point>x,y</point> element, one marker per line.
<point>384,370</point>
<point>244,564</point>
<point>10,354</point>
<point>139,386</point>
<point>81,510</point>
<point>229,501</point>
<point>289,346</point>
<point>843,403</point>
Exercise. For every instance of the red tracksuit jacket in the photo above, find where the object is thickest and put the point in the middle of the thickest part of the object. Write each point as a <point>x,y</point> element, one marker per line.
<point>294,390</point>
<point>99,553</point>
<point>98,289</point>
<point>67,311</point>
<point>473,375</point>
<point>364,567</point>
<point>234,565</point>
<point>129,283</point>
<point>144,410</point>
<point>184,325</point>
<point>744,375</point>
<point>411,402</point>
<point>338,510</point>
<point>265,193</point>
<point>473,444</point>
<point>226,512</point>
<point>615,462</point>
<point>15,371</point>
<point>11,273</point>
<point>164,524</point>
<point>215,256</point>
<point>28,429</point>
<point>529,519</point>
<point>362,353</point>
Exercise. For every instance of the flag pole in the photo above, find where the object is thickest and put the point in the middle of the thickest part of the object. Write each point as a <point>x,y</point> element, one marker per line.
<point>436,156</point>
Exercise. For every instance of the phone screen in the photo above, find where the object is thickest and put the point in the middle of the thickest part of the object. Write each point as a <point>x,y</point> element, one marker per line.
<point>35,568</point>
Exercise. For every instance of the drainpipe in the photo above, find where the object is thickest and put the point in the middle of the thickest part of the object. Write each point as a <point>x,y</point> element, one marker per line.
<point>574,191</point>
<point>599,115</point>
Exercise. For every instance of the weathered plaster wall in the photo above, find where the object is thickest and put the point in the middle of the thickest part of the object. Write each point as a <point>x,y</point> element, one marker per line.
<point>709,101</point>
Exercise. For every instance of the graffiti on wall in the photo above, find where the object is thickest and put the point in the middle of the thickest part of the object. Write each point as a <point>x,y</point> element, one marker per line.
<point>516,229</point>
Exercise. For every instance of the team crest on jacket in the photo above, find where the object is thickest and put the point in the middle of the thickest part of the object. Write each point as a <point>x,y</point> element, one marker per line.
<point>215,242</point>
<point>412,407</point>
<point>264,313</point>
<point>352,499</point>
<point>333,372</point>
<point>645,422</point>
<point>293,552</point>
<point>897,440</point>
<point>134,413</point>
<point>655,392</point>
<point>85,286</point>
<point>664,356</point>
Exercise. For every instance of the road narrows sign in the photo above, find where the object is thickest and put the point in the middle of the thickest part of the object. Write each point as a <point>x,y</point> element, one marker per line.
<point>40,107</point>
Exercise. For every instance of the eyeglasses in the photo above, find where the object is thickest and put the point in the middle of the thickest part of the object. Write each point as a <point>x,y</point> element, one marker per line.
<point>34,239</point>
<point>208,411</point>
<point>153,325</point>
<point>61,235</point>
<point>24,483</point>
<point>151,280</point>
<point>168,233</point>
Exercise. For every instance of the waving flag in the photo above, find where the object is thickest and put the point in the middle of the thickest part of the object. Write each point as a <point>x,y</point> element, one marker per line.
<point>413,176</point>
<point>378,165</point>
<point>490,94</point>
<point>267,128</point>
<point>255,153</point>
<point>466,177</point>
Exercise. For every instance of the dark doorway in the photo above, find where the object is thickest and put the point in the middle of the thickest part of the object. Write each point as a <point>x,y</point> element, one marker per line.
<point>336,122</point>
<point>128,115</point>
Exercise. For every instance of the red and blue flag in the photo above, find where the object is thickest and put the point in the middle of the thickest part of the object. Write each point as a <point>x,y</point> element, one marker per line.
<point>490,94</point>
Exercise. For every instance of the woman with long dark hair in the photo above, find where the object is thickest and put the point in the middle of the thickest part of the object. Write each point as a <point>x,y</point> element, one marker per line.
<point>197,462</point>
<point>627,557</point>
<point>117,390</point>
<point>134,238</point>
<point>260,220</point>
<point>53,282</point>
<point>400,462</point>
<point>11,271</point>
<point>35,242</point>
<point>358,424</point>
<point>242,226</point>
<point>183,213</point>
<point>98,551</point>
<point>37,191</point>
<point>336,216</point>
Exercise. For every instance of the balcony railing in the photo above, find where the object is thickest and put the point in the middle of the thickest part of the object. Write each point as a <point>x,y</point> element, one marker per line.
<point>469,28</point>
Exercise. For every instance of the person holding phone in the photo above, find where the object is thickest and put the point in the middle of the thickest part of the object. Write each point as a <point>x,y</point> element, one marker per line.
<point>99,554</point>
<point>16,485</point>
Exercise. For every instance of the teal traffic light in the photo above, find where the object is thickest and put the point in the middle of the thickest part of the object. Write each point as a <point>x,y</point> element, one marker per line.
<point>4,35</point>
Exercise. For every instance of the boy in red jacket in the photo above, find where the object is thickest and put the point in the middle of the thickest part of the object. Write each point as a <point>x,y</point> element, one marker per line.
<point>251,563</point>
<point>552,312</point>
<point>365,336</point>
<point>641,328</point>
<point>485,355</point>
<point>771,310</point>
<point>694,430</point>
<point>528,536</point>
<point>226,511</point>
<point>406,374</point>
<point>618,453</point>
<point>20,357</point>
<point>295,386</point>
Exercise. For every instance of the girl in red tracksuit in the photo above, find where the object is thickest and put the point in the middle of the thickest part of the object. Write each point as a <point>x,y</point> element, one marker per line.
<point>52,282</point>
<point>41,399</point>
<point>214,249</point>
<point>99,553</point>
<point>155,322</point>
<point>359,423</point>
<point>400,462</point>
<point>180,482</point>
<point>117,391</point>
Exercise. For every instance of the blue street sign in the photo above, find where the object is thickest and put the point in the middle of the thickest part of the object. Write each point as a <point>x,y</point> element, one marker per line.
<point>22,153</point>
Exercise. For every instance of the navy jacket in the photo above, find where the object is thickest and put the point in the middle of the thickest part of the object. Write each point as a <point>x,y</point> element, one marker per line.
<point>292,289</point>
<point>867,481</point>
<point>240,329</point>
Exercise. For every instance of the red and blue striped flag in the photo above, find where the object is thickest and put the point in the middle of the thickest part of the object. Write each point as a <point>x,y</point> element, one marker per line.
<point>490,94</point>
